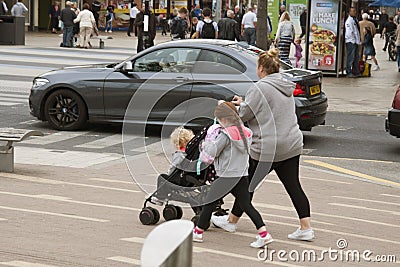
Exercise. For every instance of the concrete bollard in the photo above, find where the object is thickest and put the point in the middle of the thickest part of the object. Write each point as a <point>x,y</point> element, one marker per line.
<point>169,245</point>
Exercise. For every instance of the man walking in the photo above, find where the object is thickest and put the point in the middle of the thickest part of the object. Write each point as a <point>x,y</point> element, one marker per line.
<point>207,28</point>
<point>249,23</point>
<point>388,29</point>
<point>227,27</point>
<point>151,34</point>
<point>96,9</point>
<point>67,17</point>
<point>19,9</point>
<point>352,38</point>
<point>179,25</point>
<point>133,13</point>
<point>303,23</point>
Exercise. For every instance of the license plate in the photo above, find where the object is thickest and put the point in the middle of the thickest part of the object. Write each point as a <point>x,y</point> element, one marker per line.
<point>316,89</point>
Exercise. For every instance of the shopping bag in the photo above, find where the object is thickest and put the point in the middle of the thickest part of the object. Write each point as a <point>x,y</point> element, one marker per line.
<point>365,68</point>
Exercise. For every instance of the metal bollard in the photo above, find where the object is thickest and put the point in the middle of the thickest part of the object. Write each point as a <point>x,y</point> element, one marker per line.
<point>6,159</point>
<point>169,245</point>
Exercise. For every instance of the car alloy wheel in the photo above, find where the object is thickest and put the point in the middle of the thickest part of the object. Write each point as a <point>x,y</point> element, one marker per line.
<point>65,110</point>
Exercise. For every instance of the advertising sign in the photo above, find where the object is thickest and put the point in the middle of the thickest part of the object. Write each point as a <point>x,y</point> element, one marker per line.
<point>273,13</point>
<point>295,8</point>
<point>323,35</point>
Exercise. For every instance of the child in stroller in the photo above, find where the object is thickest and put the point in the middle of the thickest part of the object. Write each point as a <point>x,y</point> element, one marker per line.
<point>184,181</point>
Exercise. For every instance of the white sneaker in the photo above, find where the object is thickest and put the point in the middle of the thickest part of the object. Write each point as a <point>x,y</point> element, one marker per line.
<point>105,31</point>
<point>110,31</point>
<point>375,67</point>
<point>262,241</point>
<point>303,235</point>
<point>197,237</point>
<point>222,222</point>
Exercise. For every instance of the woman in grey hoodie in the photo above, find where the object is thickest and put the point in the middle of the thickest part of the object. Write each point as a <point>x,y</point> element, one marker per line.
<point>269,110</point>
<point>230,152</point>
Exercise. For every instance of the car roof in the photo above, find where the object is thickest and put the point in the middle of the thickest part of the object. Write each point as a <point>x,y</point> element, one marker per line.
<point>196,42</point>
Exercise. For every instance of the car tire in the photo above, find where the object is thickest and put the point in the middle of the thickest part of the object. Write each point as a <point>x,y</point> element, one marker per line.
<point>65,110</point>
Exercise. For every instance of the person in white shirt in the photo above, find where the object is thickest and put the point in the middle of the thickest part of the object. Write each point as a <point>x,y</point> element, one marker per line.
<point>353,40</point>
<point>86,21</point>
<point>249,23</point>
<point>133,12</point>
<point>19,9</point>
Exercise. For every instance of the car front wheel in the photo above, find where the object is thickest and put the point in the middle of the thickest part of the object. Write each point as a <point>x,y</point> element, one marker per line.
<point>65,110</point>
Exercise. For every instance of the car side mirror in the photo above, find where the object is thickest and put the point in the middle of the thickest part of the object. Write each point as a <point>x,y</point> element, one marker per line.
<point>127,66</point>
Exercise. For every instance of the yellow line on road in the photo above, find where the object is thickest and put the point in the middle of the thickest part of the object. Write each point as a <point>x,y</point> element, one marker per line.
<point>353,173</point>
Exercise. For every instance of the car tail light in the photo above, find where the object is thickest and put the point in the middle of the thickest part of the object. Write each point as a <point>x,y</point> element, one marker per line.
<point>300,90</point>
<point>396,100</point>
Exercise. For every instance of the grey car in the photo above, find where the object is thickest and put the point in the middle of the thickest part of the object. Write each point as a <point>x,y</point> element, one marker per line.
<point>169,77</point>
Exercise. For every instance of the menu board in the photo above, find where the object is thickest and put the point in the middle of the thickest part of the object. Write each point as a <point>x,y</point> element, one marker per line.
<point>322,42</point>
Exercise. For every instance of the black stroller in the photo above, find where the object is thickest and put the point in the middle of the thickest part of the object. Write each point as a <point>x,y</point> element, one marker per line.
<point>182,185</point>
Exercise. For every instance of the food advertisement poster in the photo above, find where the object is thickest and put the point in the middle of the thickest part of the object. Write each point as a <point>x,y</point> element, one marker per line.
<point>322,42</point>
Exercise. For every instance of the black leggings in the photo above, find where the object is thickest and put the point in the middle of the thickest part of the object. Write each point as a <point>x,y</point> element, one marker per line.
<point>238,187</point>
<point>288,173</point>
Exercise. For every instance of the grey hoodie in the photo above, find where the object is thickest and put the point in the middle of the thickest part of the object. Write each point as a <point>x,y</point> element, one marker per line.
<point>230,154</point>
<point>269,110</point>
<point>19,9</point>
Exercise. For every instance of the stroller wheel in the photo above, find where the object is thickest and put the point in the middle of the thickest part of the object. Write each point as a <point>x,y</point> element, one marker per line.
<point>170,212</point>
<point>156,215</point>
<point>179,212</point>
<point>195,220</point>
<point>146,216</point>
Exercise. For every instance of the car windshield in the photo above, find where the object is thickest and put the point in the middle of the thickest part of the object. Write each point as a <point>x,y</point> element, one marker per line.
<point>254,52</point>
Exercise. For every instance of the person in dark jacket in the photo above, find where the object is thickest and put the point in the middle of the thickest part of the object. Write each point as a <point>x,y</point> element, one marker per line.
<point>141,44</point>
<point>67,17</point>
<point>54,15</point>
<point>228,28</point>
<point>303,22</point>
<point>383,19</point>
<point>388,29</point>
<point>238,17</point>
<point>95,10</point>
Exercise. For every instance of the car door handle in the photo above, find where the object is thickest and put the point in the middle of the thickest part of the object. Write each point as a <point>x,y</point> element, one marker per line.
<point>181,79</point>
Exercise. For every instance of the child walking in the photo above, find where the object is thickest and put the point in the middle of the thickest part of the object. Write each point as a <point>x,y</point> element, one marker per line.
<point>230,151</point>
<point>298,54</point>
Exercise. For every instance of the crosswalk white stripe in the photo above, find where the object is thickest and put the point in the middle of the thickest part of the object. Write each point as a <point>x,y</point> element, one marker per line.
<point>24,264</point>
<point>125,260</point>
<point>389,195</point>
<point>364,208</point>
<point>25,97</point>
<point>108,141</point>
<point>368,200</point>
<point>54,137</point>
<point>9,103</point>
<point>14,99</point>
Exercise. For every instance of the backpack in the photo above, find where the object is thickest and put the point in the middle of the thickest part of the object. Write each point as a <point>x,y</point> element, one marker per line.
<point>177,28</point>
<point>208,31</point>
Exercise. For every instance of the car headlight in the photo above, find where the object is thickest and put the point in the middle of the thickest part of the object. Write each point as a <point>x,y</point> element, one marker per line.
<point>37,82</point>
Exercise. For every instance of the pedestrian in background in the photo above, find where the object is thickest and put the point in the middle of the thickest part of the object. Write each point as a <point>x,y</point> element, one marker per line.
<point>150,35</point>
<point>383,18</point>
<point>110,17</point>
<point>249,23</point>
<point>303,22</point>
<point>369,49</point>
<point>96,6</point>
<point>270,112</point>
<point>3,8</point>
<point>193,27</point>
<point>388,29</point>
<point>398,46</point>
<point>227,27</point>
<point>132,16</point>
<point>285,37</point>
<point>67,17</point>
<point>86,21</point>
<point>396,19</point>
<point>298,54</point>
<point>207,28</point>
<point>366,23</point>
<point>54,16</point>
<point>353,40</point>
<point>19,9</point>
<point>179,25</point>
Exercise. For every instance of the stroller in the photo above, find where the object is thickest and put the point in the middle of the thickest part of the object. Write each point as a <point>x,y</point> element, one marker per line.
<point>183,185</point>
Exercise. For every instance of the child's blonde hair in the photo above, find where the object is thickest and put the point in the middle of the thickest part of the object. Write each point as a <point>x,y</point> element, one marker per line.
<point>180,137</point>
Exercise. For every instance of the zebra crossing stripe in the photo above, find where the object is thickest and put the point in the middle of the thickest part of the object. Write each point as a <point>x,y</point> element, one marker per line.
<point>24,264</point>
<point>54,138</point>
<point>8,95</point>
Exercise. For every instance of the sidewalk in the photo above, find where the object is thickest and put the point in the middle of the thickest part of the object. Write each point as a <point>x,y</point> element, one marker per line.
<point>365,95</point>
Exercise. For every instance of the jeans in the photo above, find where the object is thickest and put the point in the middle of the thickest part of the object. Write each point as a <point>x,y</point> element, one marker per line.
<point>131,23</point>
<point>67,36</point>
<point>352,59</point>
<point>250,36</point>
<point>288,174</point>
<point>398,57</point>
<point>109,23</point>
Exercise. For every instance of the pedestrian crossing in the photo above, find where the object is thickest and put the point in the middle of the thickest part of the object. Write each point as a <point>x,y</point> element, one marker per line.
<point>13,99</point>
